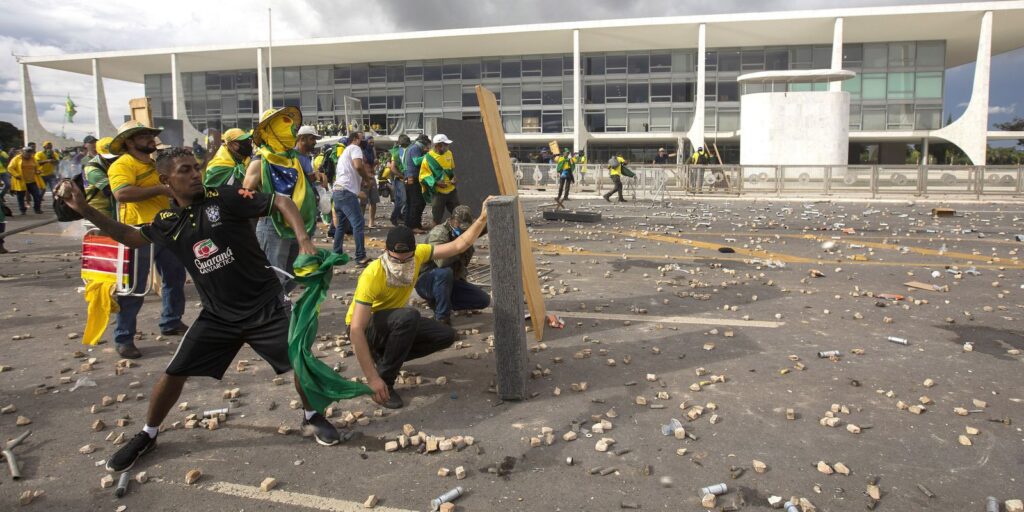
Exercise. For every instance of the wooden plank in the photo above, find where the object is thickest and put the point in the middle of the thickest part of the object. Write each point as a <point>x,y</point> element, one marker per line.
<point>491,118</point>
<point>141,111</point>
<point>510,352</point>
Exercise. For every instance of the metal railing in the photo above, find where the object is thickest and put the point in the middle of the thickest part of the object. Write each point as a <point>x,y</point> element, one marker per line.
<point>660,182</point>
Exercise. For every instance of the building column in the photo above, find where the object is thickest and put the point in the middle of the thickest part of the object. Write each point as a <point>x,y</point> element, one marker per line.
<point>970,131</point>
<point>104,128</point>
<point>261,82</point>
<point>34,130</point>
<point>188,132</point>
<point>837,54</point>
<point>579,130</point>
<point>696,133</point>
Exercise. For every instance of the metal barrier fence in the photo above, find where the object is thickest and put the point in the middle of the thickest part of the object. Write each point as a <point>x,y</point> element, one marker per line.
<point>659,182</point>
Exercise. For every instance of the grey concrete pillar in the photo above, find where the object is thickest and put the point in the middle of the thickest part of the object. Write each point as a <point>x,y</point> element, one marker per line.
<point>510,352</point>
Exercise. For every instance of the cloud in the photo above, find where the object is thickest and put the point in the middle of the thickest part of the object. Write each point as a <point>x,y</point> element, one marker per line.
<point>1001,110</point>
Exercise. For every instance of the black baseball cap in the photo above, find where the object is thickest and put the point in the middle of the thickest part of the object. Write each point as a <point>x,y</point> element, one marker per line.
<point>401,239</point>
<point>88,139</point>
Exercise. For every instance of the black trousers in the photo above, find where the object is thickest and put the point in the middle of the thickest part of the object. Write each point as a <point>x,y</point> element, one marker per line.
<point>399,335</point>
<point>443,202</point>
<point>617,180</point>
<point>414,206</point>
<point>564,183</point>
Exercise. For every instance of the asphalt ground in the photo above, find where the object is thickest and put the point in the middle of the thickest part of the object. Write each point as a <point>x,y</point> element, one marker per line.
<point>644,293</point>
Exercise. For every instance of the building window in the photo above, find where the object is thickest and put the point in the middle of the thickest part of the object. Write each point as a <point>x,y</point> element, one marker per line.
<point>873,86</point>
<point>470,70</point>
<point>928,118</point>
<point>594,121</point>
<point>615,92</point>
<point>638,93</point>
<point>510,69</point>
<point>901,55</point>
<point>931,54</point>
<point>396,74</point>
<point>929,85</point>
<point>512,123</point>
<point>511,96</point>
<point>451,71</point>
<point>683,92</point>
<point>593,94</point>
<point>874,118</point>
<point>308,101</point>
<point>728,91</point>
<point>684,62</point>
<point>901,117</point>
<point>822,57</point>
<point>360,74</point>
<point>452,95</point>
<point>342,75</point>
<point>853,56</point>
<point>531,121</point>
<point>852,86</point>
<point>776,59</point>
<point>661,92</point>
<point>593,65</point>
<point>639,121</point>
<point>551,122</point>
<point>876,56</point>
<point>413,73</point>
<point>552,66</point>
<point>325,102</point>
<point>469,98</point>
<point>552,96</point>
<point>492,68</point>
<point>531,67</point>
<point>615,64</point>
<point>728,60</point>
<point>854,117</point>
<point>638,64</point>
<point>432,97</point>
<point>661,119</point>
<point>900,86</point>
<point>615,120</point>
<point>531,94</point>
<point>661,63</point>
<point>395,100</point>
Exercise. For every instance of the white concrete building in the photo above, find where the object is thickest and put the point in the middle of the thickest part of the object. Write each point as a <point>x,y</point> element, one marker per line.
<point>611,86</point>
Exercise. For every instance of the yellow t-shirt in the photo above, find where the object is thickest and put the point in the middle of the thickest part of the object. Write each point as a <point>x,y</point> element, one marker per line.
<point>373,289</point>
<point>126,171</point>
<point>46,169</point>
<point>617,171</point>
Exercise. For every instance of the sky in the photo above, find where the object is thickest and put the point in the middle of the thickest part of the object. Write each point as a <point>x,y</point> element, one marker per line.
<point>38,28</point>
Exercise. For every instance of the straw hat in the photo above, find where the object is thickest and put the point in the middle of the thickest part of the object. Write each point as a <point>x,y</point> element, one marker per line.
<point>128,130</point>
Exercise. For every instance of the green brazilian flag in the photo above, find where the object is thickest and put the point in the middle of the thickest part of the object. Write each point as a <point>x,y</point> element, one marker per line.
<point>321,385</point>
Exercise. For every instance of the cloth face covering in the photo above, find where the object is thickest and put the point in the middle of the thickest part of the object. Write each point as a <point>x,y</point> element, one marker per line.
<point>399,275</point>
<point>279,134</point>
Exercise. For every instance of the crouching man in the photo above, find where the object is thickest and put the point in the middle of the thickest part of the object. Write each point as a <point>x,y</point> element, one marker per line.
<point>442,281</point>
<point>384,332</point>
<point>209,232</point>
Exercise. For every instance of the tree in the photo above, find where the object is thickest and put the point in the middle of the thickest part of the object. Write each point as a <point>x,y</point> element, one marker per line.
<point>10,136</point>
<point>1017,125</point>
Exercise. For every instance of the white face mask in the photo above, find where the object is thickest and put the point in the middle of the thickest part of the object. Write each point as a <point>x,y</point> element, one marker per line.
<point>399,275</point>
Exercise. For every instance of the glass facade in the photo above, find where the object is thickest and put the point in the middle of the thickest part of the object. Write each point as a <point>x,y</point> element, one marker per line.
<point>899,86</point>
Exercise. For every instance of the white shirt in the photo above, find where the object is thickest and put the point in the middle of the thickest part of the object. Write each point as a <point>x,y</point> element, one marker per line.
<point>348,178</point>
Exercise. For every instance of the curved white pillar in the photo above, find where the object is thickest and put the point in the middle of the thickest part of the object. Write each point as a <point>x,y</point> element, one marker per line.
<point>104,128</point>
<point>189,132</point>
<point>579,129</point>
<point>970,131</point>
<point>837,53</point>
<point>696,133</point>
<point>34,130</point>
<point>261,82</point>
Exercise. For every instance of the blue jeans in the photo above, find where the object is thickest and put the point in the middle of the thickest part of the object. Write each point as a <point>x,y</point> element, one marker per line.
<point>440,287</point>
<point>281,252</point>
<point>50,182</point>
<point>33,193</point>
<point>398,189</point>
<point>173,294</point>
<point>346,205</point>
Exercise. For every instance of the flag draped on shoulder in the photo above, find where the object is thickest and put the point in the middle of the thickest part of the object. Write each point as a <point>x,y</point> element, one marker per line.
<point>282,174</point>
<point>321,385</point>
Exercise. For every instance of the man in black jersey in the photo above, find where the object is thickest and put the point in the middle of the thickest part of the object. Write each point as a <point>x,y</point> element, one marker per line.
<point>209,232</point>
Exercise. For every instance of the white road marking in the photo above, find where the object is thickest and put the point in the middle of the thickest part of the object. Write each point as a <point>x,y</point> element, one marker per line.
<point>693,320</point>
<point>292,498</point>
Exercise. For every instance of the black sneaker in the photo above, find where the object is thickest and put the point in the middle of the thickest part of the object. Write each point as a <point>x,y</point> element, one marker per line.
<point>323,431</point>
<point>125,458</point>
<point>174,330</point>
<point>607,199</point>
<point>394,400</point>
<point>128,351</point>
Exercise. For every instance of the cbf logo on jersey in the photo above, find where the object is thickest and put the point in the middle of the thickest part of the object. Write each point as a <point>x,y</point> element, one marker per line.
<point>204,249</point>
<point>213,213</point>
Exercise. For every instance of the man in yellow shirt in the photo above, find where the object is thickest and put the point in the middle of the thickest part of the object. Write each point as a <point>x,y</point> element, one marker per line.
<point>26,180</point>
<point>46,163</point>
<point>140,197</point>
<point>615,165</point>
<point>384,332</point>
<point>437,178</point>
